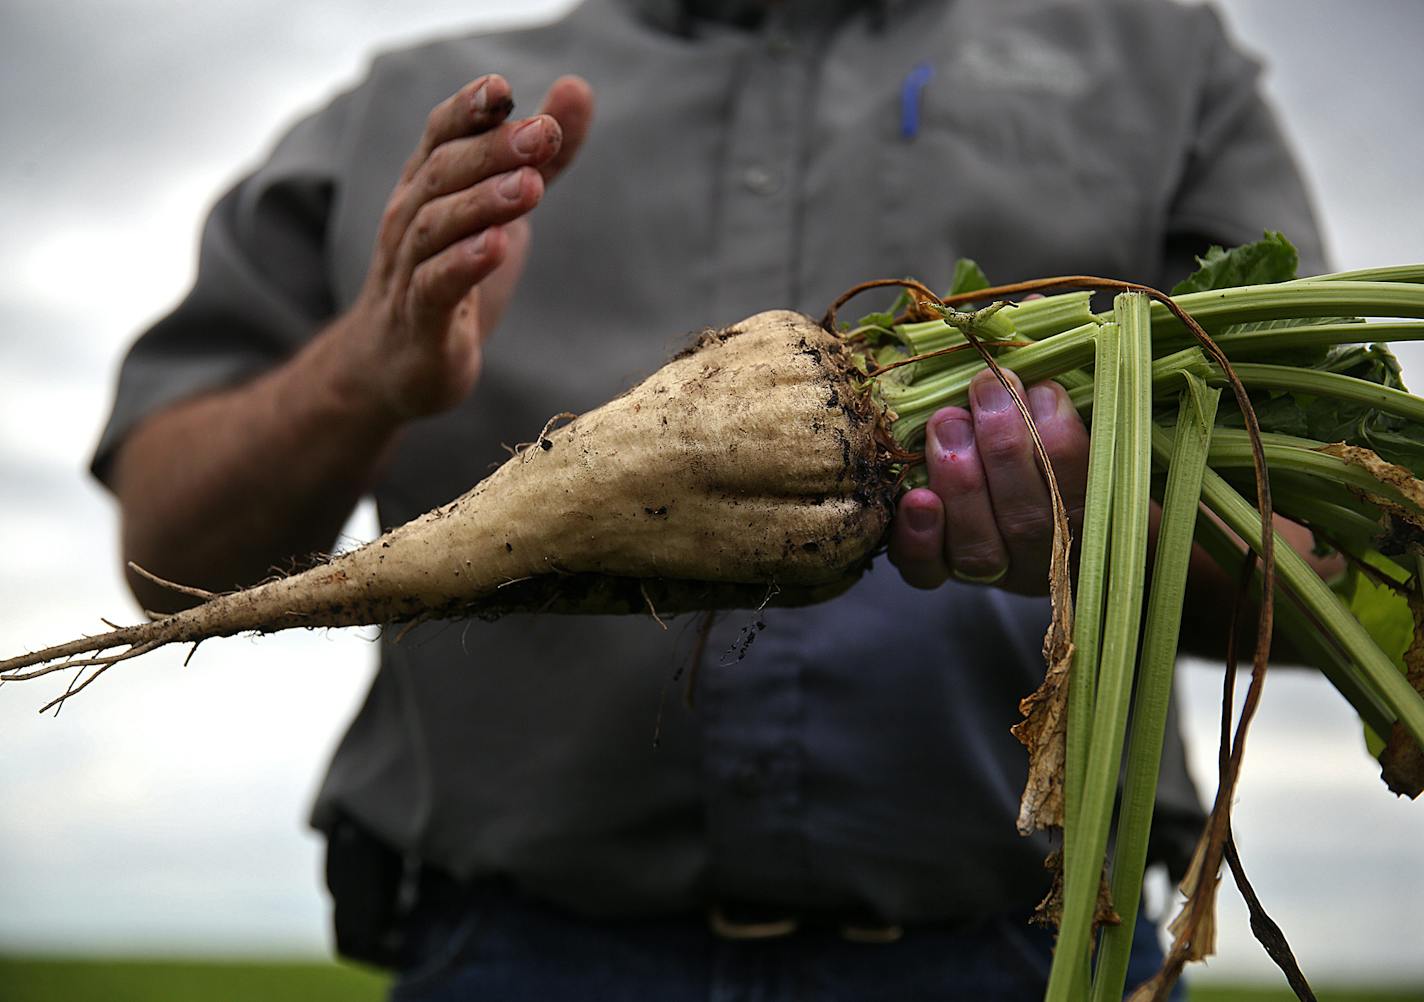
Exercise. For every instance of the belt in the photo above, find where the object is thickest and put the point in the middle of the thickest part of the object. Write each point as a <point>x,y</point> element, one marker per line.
<point>743,922</point>
<point>727,920</point>
<point>375,890</point>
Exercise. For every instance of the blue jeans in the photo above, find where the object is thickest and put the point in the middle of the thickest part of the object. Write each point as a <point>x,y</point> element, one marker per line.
<point>506,949</point>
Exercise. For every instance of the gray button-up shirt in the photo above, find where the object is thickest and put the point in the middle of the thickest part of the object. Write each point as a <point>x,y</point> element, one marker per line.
<point>744,156</point>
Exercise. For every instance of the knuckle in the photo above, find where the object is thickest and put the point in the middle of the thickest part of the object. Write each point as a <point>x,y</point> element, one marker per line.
<point>422,228</point>
<point>1025,524</point>
<point>1064,436</point>
<point>454,271</point>
<point>482,158</point>
<point>473,204</point>
<point>422,283</point>
<point>448,269</point>
<point>391,216</point>
<point>958,477</point>
<point>436,168</point>
<point>390,213</point>
<point>434,278</point>
<point>1006,443</point>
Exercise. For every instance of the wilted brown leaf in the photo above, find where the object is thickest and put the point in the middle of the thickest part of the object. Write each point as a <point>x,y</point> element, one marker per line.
<point>1195,924</point>
<point>1402,760</point>
<point>1049,912</point>
<point>1044,729</point>
<point>1402,763</point>
<point>1193,930</point>
<point>1386,473</point>
<point>1044,732</point>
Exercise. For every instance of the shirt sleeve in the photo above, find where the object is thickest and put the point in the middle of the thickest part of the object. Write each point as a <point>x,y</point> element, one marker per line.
<point>262,287</point>
<point>1239,176</point>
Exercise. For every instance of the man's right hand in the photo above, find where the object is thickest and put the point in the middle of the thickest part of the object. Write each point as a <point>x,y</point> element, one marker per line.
<point>452,244</point>
<point>219,489</point>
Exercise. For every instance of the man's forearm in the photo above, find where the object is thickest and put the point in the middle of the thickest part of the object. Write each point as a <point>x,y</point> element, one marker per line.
<point>221,490</point>
<point>1211,600</point>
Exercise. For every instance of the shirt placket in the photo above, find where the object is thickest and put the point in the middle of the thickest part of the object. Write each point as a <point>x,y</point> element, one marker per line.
<point>750,698</point>
<point>757,219</point>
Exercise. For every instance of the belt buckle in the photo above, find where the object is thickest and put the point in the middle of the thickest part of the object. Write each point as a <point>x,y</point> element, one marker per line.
<point>878,934</point>
<point>726,928</point>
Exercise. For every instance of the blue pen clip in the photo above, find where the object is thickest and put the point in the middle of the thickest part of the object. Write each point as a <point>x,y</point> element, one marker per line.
<point>912,97</point>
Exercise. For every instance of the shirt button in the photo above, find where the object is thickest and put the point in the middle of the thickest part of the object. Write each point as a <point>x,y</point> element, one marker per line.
<point>780,45</point>
<point>747,780</point>
<point>760,180</point>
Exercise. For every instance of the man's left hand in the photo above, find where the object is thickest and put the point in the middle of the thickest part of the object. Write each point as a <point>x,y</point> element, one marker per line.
<point>985,516</point>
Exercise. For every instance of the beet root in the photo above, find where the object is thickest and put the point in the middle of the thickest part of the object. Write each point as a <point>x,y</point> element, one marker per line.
<point>749,470</point>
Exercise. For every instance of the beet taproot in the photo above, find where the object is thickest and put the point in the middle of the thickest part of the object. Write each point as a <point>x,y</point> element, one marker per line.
<point>748,470</point>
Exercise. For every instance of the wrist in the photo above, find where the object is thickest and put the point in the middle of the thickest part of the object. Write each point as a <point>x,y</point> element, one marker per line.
<point>332,390</point>
<point>348,380</point>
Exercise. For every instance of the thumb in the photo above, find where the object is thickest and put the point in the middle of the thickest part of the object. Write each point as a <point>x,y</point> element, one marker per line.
<point>570,102</point>
<point>498,287</point>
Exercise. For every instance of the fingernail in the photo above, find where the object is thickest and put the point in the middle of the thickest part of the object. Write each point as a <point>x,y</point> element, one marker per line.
<point>511,185</point>
<point>954,434</point>
<point>479,100</point>
<point>476,244</point>
<point>528,138</point>
<point>1043,402</point>
<point>921,519</point>
<point>990,396</point>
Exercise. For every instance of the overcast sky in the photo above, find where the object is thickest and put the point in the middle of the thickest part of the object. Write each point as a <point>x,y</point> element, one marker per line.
<point>165,811</point>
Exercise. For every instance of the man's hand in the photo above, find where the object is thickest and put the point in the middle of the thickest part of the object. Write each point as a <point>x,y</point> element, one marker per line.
<point>452,244</point>
<point>985,516</point>
<point>219,489</point>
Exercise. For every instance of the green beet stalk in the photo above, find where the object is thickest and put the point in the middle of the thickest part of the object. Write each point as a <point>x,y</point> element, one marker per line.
<point>1305,635</point>
<point>946,379</point>
<point>1313,382</point>
<point>1374,666</point>
<point>1255,303</point>
<point>1342,524</point>
<point>1390,273</point>
<point>1032,321</point>
<point>1196,417</point>
<point>1052,358</point>
<point>1167,373</point>
<point>1131,502</point>
<point>1231,448</point>
<point>1347,669</point>
<point>1272,342</point>
<point>1386,294</point>
<point>1065,340</point>
<point>1092,567</point>
<point>1092,579</point>
<point>915,403</point>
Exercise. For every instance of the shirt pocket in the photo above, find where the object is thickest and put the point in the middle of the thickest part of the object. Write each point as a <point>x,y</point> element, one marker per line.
<point>1031,176</point>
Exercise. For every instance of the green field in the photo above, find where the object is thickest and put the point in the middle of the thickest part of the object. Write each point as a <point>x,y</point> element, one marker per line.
<point>55,979</point>
<point>1326,993</point>
<point>52,979</point>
